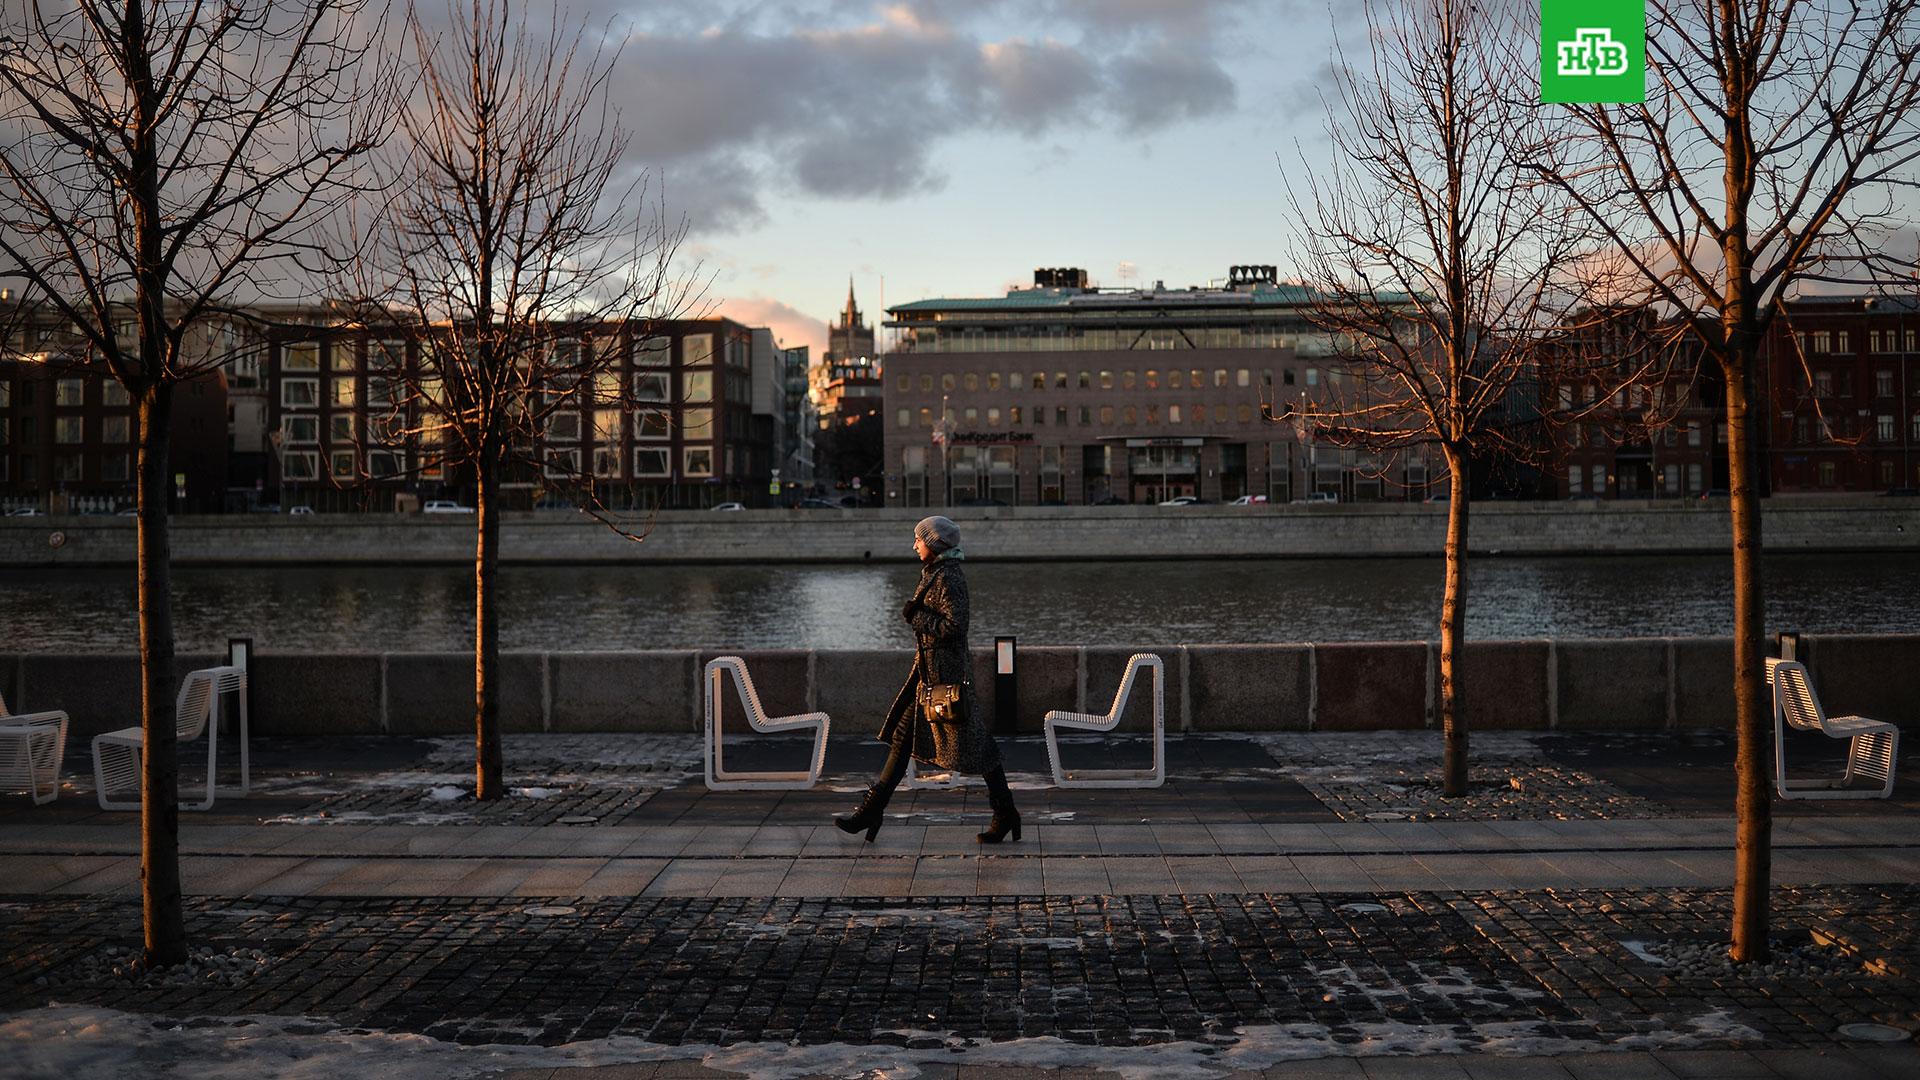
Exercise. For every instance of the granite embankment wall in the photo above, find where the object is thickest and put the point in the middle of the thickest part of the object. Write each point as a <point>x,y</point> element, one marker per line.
<point>1015,533</point>
<point>1632,684</point>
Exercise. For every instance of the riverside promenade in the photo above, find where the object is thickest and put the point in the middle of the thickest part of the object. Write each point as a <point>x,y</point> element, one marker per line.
<point>1289,904</point>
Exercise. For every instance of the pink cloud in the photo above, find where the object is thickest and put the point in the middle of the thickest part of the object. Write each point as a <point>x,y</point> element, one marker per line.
<point>790,326</point>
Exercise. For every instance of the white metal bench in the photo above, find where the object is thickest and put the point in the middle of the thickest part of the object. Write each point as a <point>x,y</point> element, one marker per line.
<point>1115,778</point>
<point>1872,745</point>
<point>718,776</point>
<point>32,748</point>
<point>117,754</point>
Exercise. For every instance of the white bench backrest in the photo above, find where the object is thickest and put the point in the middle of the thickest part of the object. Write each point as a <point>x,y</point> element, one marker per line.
<point>1794,691</point>
<point>198,693</point>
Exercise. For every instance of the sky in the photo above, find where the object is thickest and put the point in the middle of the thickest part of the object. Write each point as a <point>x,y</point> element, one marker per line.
<point>948,147</point>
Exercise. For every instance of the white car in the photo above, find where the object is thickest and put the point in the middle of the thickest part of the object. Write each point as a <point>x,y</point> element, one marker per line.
<point>27,511</point>
<point>1180,500</point>
<point>301,511</point>
<point>730,506</point>
<point>1249,500</point>
<point>445,506</point>
<point>1321,497</point>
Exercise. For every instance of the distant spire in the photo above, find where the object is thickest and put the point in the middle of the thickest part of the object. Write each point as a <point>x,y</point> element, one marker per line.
<point>853,310</point>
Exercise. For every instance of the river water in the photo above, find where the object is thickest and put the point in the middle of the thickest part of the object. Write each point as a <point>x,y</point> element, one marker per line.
<point>406,609</point>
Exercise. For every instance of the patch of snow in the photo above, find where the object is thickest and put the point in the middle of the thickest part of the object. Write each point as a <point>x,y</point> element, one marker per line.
<point>538,792</point>
<point>62,1041</point>
<point>445,793</point>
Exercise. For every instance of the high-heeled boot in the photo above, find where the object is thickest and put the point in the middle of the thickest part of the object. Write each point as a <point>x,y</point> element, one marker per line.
<point>870,814</point>
<point>1006,818</point>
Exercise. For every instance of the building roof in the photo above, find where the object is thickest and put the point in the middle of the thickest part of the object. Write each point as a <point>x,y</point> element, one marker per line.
<point>1070,300</point>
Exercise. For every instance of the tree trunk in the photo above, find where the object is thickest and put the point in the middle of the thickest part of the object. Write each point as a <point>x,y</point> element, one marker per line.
<point>486,639</point>
<point>1453,625</point>
<point>164,924</point>
<point>1753,852</point>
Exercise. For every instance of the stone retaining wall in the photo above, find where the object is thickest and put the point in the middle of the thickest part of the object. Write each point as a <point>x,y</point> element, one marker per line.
<point>1623,684</point>
<point>1013,533</point>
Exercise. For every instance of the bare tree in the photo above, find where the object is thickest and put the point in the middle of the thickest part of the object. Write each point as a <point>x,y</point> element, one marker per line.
<point>1435,268</point>
<point>162,162</point>
<point>1774,147</point>
<point>522,263</point>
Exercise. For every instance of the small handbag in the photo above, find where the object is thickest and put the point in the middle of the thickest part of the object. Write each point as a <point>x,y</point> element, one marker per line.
<point>940,703</point>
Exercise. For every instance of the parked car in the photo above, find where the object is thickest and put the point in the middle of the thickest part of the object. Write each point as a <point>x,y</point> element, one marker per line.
<point>300,511</point>
<point>27,511</point>
<point>1249,500</point>
<point>445,506</point>
<point>1321,497</point>
<point>1439,497</point>
<point>1180,500</point>
<point>819,504</point>
<point>730,506</point>
<point>1110,500</point>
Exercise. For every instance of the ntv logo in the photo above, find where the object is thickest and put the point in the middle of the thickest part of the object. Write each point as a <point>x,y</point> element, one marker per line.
<point>1592,52</point>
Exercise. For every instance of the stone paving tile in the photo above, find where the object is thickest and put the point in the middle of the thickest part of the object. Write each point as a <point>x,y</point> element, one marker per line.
<point>816,877</point>
<point>1600,1066</point>
<point>752,877</point>
<point>1498,1068</point>
<point>622,877</point>
<point>945,875</point>
<point>688,877</point>
<point>1127,840</point>
<point>566,878</point>
<point>1714,1064</point>
<point>1010,876</point>
<point>1333,873</point>
<point>1076,877</point>
<point>1204,874</point>
<point>1413,1068</point>
<point>1146,874</point>
<point>1317,1069</point>
<point>1268,873</point>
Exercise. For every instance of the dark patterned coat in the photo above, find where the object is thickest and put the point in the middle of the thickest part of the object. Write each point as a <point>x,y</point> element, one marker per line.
<point>938,614</point>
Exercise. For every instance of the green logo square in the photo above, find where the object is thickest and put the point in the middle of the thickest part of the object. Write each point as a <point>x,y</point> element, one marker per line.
<point>1593,50</point>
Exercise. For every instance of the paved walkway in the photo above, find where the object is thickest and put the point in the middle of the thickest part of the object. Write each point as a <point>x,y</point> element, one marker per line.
<point>1295,906</point>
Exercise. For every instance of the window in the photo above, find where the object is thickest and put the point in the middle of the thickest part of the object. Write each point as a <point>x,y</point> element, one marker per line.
<point>1266,377</point>
<point>697,461</point>
<point>650,386</point>
<point>1826,473</point>
<point>343,392</point>
<point>68,429</point>
<point>1175,380</point>
<point>905,418</point>
<point>563,426</point>
<point>340,428</point>
<point>1597,479</point>
<point>973,416</point>
<point>340,356</point>
<point>1106,380</point>
<point>993,417</point>
<point>653,352</point>
<point>696,350</point>
<point>111,393</point>
<point>1153,415</point>
<point>70,392</point>
<point>903,383</point>
<point>1152,381</point>
<point>1126,379</point>
<point>1060,415</point>
<point>67,467</point>
<point>1106,414</point>
<point>1173,414</point>
<point>300,465</point>
<point>993,380</point>
<point>1693,433</point>
<point>1060,380</point>
<point>301,356</point>
<point>562,462</point>
<point>946,382</point>
<point>1883,383</point>
<point>1839,341</point>
<point>696,424</point>
<point>384,465</point>
<point>1013,416</point>
<point>926,384</point>
<point>1313,376</point>
<point>300,429</point>
<point>115,467</point>
<point>386,355</point>
<point>1822,384</point>
<point>1693,480</point>
<point>5,434</point>
<point>1720,433</point>
<point>696,386</point>
<point>972,381</point>
<point>343,465</point>
<point>6,393</point>
<point>926,418</point>
<point>606,461</point>
<point>381,392</point>
<point>1915,429</point>
<point>1242,378</point>
<point>1883,428</point>
<point>299,393</point>
<point>1574,477</point>
<point>1130,416</point>
<point>1246,414</point>
<point>652,461</point>
<point>1219,377</point>
<point>606,426</point>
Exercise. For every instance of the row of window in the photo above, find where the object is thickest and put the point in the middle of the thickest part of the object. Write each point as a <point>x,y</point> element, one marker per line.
<point>1886,428</point>
<point>1827,473</point>
<point>345,465</point>
<point>1593,479</point>
<point>1127,415</point>
<point>1582,434</point>
<point>303,429</point>
<point>70,393</point>
<point>71,430</point>
<point>1879,341</point>
<point>962,339</point>
<point>343,391</point>
<point>1128,379</point>
<point>70,468</point>
<point>696,350</point>
<point>1840,384</point>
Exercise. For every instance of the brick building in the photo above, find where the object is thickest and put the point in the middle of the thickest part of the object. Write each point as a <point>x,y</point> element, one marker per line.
<point>1067,394</point>
<point>1844,383</point>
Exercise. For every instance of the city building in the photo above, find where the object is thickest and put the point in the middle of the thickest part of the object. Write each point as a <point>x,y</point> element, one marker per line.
<point>801,421</point>
<point>68,433</point>
<point>1064,393</point>
<point>1843,373</point>
<point>671,423</point>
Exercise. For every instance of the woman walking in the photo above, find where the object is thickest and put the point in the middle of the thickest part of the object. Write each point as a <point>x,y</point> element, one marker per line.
<point>933,720</point>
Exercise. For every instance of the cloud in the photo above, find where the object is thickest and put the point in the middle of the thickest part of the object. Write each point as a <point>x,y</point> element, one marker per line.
<point>852,100</point>
<point>791,327</point>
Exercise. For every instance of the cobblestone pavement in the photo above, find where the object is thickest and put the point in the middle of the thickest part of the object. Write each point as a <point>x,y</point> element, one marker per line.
<point>1586,967</point>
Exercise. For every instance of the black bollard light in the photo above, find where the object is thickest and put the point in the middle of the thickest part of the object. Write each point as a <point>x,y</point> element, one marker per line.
<point>1787,644</point>
<point>1006,688</point>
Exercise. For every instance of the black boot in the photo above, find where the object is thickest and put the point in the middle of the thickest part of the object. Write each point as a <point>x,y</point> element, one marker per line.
<point>1006,819</point>
<point>870,814</point>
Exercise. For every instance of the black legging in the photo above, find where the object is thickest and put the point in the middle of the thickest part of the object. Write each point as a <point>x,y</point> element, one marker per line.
<point>900,755</point>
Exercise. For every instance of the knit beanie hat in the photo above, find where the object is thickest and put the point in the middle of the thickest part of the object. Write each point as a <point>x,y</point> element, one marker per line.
<point>938,533</point>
